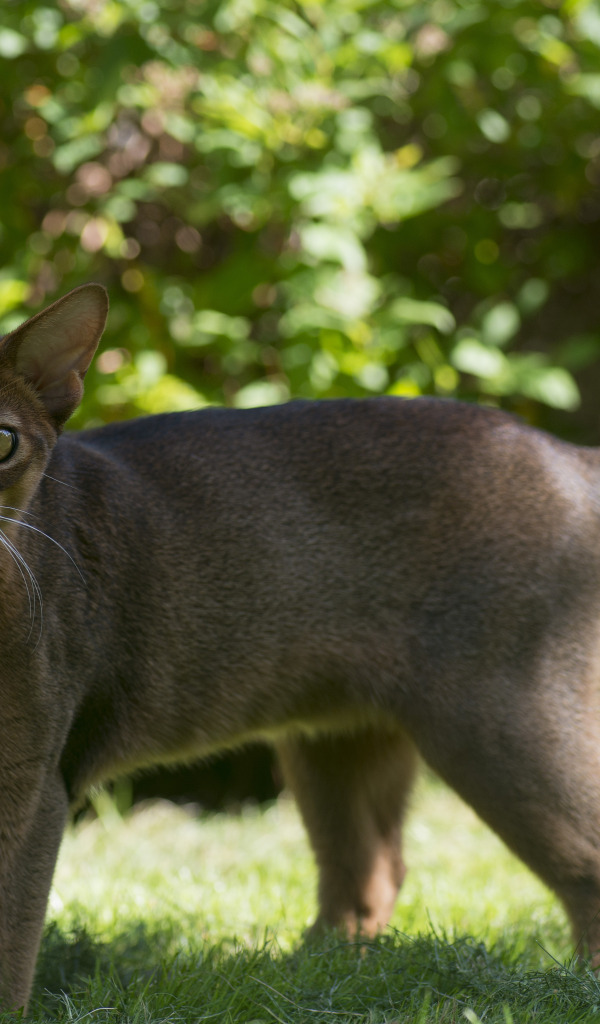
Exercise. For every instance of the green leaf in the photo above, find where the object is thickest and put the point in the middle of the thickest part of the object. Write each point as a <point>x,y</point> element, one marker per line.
<point>212,322</point>
<point>554,386</point>
<point>493,125</point>
<point>166,175</point>
<point>74,153</point>
<point>501,323</point>
<point>12,44</point>
<point>471,356</point>
<point>261,392</point>
<point>533,294</point>
<point>308,317</point>
<point>12,294</point>
<point>414,311</point>
<point>334,242</point>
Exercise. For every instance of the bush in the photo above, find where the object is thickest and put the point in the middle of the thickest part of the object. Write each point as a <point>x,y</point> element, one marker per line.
<point>310,199</point>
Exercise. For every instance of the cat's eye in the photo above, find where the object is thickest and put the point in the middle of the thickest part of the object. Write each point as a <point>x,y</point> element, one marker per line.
<point>8,443</point>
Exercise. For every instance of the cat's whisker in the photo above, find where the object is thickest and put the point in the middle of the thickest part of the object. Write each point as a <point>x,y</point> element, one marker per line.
<point>14,555</point>
<point>21,511</point>
<point>36,529</point>
<point>63,482</point>
<point>34,596</point>
<point>35,587</point>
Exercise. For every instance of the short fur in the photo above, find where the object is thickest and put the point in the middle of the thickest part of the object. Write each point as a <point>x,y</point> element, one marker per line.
<point>353,580</point>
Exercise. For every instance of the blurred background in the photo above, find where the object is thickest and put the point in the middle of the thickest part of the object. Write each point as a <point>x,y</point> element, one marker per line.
<point>337,197</point>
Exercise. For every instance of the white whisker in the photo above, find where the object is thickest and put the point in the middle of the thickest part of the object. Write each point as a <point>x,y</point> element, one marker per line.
<point>21,511</point>
<point>33,596</point>
<point>63,482</point>
<point>36,529</point>
<point>16,559</point>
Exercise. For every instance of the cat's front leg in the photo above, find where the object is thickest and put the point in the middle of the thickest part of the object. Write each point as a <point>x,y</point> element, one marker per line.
<point>33,813</point>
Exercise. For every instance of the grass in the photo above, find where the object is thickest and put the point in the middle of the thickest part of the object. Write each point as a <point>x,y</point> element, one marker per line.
<point>159,917</point>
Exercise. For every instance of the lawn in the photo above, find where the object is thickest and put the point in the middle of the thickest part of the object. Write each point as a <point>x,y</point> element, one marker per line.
<point>161,916</point>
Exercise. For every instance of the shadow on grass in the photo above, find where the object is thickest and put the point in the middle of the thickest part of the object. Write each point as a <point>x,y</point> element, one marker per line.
<point>141,975</point>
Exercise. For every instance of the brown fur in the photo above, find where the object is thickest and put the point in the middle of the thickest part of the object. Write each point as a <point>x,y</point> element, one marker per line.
<point>354,580</point>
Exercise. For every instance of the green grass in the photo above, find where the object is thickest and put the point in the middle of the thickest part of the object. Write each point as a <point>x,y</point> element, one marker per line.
<point>162,917</point>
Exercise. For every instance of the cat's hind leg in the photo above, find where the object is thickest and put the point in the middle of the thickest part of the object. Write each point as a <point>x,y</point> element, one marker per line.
<point>529,764</point>
<point>352,791</point>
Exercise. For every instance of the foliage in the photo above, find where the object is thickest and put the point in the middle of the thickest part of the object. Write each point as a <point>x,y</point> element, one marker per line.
<point>308,198</point>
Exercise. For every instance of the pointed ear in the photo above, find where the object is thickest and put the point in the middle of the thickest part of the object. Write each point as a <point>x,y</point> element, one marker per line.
<point>54,349</point>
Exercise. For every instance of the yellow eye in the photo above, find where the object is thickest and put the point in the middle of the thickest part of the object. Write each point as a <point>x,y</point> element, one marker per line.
<point>8,443</point>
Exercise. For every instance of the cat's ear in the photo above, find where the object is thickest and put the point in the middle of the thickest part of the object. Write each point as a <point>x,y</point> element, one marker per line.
<point>54,349</point>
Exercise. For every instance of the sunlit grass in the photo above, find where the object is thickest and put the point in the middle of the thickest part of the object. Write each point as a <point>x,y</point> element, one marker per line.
<point>174,917</point>
<point>462,879</point>
<point>232,876</point>
<point>239,875</point>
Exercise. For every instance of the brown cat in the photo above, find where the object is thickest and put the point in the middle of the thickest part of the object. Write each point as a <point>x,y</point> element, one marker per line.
<point>354,580</point>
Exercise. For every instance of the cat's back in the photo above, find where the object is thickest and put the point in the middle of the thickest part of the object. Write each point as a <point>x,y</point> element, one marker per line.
<point>346,454</point>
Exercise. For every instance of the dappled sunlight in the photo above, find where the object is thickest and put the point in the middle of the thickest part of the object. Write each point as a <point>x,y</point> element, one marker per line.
<point>308,200</point>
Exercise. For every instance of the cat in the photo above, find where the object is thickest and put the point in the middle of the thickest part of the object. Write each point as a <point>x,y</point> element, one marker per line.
<point>356,581</point>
